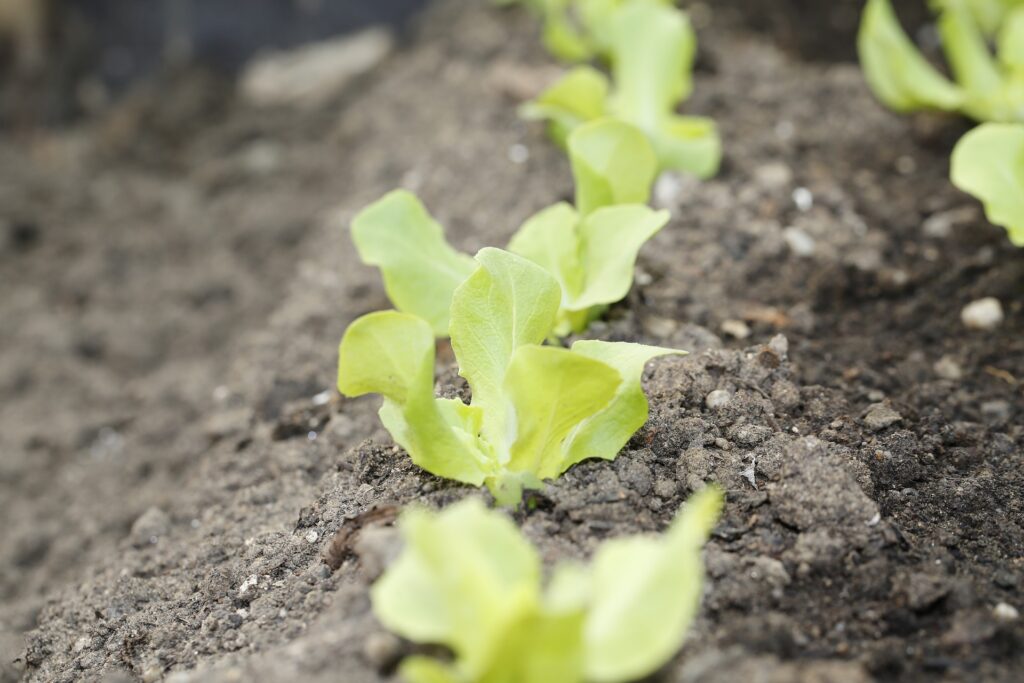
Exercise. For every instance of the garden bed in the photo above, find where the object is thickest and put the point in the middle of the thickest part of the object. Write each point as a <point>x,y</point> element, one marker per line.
<point>176,469</point>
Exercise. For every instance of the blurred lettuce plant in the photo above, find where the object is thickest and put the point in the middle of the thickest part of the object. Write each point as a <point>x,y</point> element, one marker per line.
<point>651,46</point>
<point>988,163</point>
<point>591,249</point>
<point>986,85</point>
<point>468,579</point>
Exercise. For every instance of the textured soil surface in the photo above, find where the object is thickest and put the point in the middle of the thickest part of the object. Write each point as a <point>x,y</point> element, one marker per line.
<point>175,466</point>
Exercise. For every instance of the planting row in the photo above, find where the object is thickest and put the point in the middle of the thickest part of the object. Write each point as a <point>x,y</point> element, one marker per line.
<point>467,579</point>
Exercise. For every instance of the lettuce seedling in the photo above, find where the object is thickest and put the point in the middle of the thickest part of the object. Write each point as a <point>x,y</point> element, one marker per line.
<point>577,30</point>
<point>468,579</point>
<point>986,86</point>
<point>651,47</point>
<point>535,411</point>
<point>590,249</point>
<point>988,162</point>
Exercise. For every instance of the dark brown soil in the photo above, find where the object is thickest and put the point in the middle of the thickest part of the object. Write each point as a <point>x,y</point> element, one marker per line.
<point>175,464</point>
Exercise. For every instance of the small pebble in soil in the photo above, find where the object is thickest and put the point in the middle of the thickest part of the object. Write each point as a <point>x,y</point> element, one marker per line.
<point>149,527</point>
<point>1005,612</point>
<point>248,584</point>
<point>803,198</point>
<point>736,329</point>
<point>799,242</point>
<point>382,650</point>
<point>719,398</point>
<point>983,314</point>
<point>668,188</point>
<point>947,368</point>
<point>940,225</point>
<point>879,416</point>
<point>518,153</point>
<point>996,410</point>
<point>779,345</point>
<point>773,175</point>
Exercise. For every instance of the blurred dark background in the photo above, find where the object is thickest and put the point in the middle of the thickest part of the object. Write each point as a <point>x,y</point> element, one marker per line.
<point>67,54</point>
<point>61,58</point>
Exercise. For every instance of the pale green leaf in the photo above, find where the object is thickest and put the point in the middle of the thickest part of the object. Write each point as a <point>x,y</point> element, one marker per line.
<point>387,353</point>
<point>542,647</point>
<point>897,72</point>
<point>646,593</point>
<point>604,434</point>
<point>564,41</point>
<point>1011,42</point>
<point>552,390</point>
<point>653,47</point>
<point>577,97</point>
<point>507,303</point>
<point>973,65</point>
<point>392,354</point>
<point>419,268</point>
<point>988,163</point>
<point>419,669</point>
<point>472,570</point>
<point>549,239</point>
<point>610,240</point>
<point>612,163</point>
<point>690,144</point>
<point>468,580</point>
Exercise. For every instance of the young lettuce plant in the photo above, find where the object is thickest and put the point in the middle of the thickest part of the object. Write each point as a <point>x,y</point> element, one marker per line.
<point>988,163</point>
<point>576,30</point>
<point>467,579</point>
<point>535,411</point>
<point>987,86</point>
<point>651,47</point>
<point>590,249</point>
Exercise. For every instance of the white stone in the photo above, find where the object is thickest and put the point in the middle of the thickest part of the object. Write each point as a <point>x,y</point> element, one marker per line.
<point>736,328</point>
<point>311,75</point>
<point>1005,612</point>
<point>717,399</point>
<point>947,368</point>
<point>798,241</point>
<point>984,314</point>
<point>803,198</point>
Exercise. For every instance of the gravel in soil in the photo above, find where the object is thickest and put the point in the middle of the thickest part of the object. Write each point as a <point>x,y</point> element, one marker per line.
<point>869,442</point>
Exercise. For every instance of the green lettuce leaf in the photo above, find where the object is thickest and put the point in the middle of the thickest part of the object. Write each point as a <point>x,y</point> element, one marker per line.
<point>646,593</point>
<point>576,98</point>
<point>612,163</point>
<point>988,163</point>
<point>651,46</point>
<point>592,259</point>
<point>549,239</point>
<point>897,72</point>
<point>552,391</point>
<point>605,433</point>
<point>420,269</point>
<point>468,580</point>
<point>690,144</point>
<point>466,577</point>
<point>392,354</point>
<point>507,303</point>
<point>1011,41</point>
<point>610,240</point>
